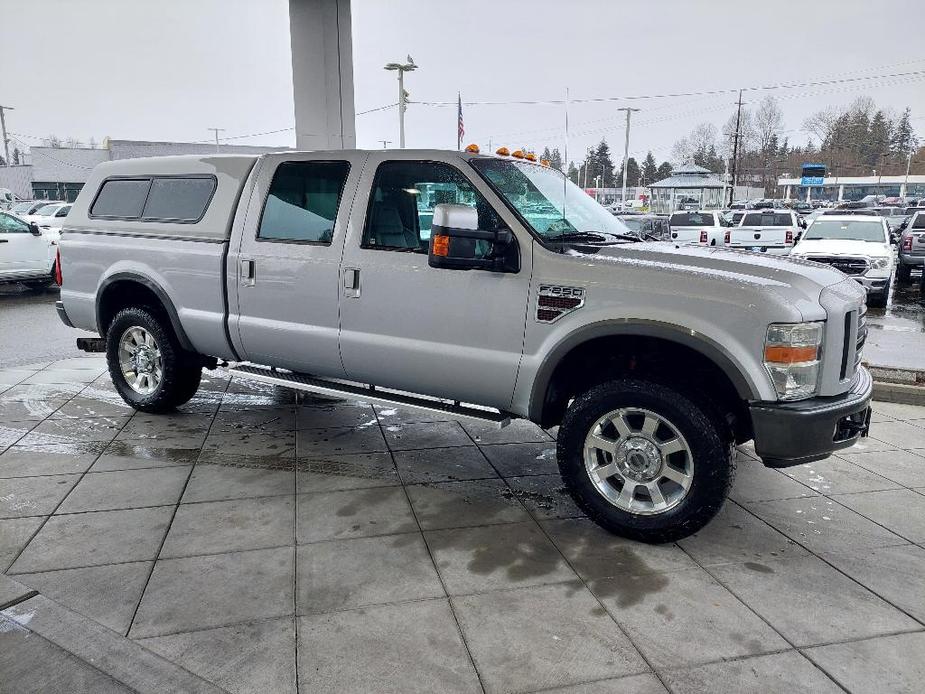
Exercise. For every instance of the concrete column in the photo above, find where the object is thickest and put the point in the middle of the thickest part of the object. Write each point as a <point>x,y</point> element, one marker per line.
<point>322,74</point>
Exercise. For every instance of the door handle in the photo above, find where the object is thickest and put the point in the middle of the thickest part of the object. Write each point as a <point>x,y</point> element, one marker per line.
<point>352,282</point>
<point>248,272</point>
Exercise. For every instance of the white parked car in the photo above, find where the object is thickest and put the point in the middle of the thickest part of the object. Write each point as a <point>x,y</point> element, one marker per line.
<point>702,227</point>
<point>858,245</point>
<point>27,207</point>
<point>50,214</point>
<point>27,254</point>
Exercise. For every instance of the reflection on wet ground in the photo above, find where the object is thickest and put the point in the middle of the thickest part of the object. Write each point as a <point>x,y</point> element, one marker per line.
<point>897,333</point>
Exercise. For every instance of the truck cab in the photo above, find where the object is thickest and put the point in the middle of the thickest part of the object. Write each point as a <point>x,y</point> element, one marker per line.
<point>486,287</point>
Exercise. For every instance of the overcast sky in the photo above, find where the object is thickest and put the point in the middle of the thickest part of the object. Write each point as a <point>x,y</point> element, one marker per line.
<point>170,69</point>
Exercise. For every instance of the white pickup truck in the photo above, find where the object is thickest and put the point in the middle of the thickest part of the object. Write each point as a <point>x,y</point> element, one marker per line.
<point>765,231</point>
<point>483,287</point>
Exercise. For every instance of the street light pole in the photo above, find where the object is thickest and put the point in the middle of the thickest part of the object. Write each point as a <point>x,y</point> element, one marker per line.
<point>402,68</point>
<point>626,153</point>
<point>905,180</point>
<point>6,140</point>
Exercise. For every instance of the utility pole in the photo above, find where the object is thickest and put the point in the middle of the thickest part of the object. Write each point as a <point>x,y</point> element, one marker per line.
<point>905,180</point>
<point>735,149</point>
<point>385,143</point>
<point>6,140</point>
<point>216,131</point>
<point>402,68</point>
<point>626,153</point>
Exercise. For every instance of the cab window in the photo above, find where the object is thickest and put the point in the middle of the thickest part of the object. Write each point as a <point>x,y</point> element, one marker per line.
<point>302,204</point>
<point>402,202</point>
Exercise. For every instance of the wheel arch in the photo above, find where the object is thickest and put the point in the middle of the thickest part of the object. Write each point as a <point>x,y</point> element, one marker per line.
<point>123,289</point>
<point>607,338</point>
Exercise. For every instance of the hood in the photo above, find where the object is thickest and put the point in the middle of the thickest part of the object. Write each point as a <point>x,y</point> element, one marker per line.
<point>797,282</point>
<point>843,247</point>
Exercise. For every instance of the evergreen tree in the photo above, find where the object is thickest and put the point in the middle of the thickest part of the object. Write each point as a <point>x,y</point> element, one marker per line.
<point>17,156</point>
<point>603,165</point>
<point>877,142</point>
<point>664,171</point>
<point>573,172</point>
<point>555,159</point>
<point>632,173</point>
<point>547,155</point>
<point>649,172</point>
<point>904,140</point>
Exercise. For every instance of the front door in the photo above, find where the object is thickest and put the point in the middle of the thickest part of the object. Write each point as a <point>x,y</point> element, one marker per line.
<point>21,253</point>
<point>448,333</point>
<point>286,269</point>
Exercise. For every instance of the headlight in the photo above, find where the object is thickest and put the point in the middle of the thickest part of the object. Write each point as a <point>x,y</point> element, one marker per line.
<point>879,263</point>
<point>792,354</point>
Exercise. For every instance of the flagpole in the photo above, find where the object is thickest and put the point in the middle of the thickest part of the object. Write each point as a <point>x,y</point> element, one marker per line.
<point>458,121</point>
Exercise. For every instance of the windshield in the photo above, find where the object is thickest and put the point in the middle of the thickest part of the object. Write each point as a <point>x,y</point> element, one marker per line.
<point>46,210</point>
<point>767,219</point>
<point>550,203</point>
<point>847,230</point>
<point>21,207</point>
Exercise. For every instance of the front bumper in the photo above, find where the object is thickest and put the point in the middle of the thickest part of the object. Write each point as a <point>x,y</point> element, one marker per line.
<point>792,433</point>
<point>873,285</point>
<point>62,314</point>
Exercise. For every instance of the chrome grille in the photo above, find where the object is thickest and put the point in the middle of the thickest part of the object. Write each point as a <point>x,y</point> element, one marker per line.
<point>848,265</point>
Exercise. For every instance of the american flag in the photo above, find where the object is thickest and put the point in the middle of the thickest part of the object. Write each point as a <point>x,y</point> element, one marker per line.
<point>461,130</point>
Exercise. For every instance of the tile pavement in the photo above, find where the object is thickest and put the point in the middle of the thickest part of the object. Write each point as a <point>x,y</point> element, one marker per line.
<point>262,542</point>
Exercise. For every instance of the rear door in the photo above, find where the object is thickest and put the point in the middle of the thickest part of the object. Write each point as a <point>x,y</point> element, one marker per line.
<point>21,253</point>
<point>288,262</point>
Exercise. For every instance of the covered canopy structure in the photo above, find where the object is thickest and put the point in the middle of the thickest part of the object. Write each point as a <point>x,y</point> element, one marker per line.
<point>690,185</point>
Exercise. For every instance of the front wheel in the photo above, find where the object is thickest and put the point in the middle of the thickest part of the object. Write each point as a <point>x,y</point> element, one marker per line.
<point>148,367</point>
<point>903,273</point>
<point>645,461</point>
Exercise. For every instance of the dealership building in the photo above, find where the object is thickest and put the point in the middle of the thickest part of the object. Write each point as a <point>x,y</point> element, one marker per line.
<point>58,173</point>
<point>848,188</point>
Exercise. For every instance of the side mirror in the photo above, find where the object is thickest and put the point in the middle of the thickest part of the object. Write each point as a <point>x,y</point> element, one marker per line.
<point>34,229</point>
<point>456,242</point>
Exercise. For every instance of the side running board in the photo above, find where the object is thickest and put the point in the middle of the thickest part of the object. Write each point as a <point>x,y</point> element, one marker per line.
<point>372,394</point>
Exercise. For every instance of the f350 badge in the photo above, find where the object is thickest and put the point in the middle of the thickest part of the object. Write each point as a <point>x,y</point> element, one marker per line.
<point>554,301</point>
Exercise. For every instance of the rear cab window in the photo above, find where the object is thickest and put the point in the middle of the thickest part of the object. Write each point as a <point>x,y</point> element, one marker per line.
<point>303,202</point>
<point>692,219</point>
<point>179,199</point>
<point>771,219</point>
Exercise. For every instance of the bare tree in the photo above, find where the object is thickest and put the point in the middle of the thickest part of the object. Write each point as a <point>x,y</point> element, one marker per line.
<point>769,122</point>
<point>747,134</point>
<point>72,142</point>
<point>52,141</point>
<point>92,143</point>
<point>822,123</point>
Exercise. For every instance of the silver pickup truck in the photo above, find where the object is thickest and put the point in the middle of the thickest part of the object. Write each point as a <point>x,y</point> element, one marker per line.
<point>486,287</point>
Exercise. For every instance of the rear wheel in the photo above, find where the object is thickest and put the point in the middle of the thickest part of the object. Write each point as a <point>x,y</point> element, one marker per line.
<point>903,273</point>
<point>644,460</point>
<point>148,367</point>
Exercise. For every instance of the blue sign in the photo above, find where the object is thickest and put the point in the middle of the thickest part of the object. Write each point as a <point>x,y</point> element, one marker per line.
<point>812,174</point>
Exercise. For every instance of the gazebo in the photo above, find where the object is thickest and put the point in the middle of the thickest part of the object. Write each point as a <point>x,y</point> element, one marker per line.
<point>690,185</point>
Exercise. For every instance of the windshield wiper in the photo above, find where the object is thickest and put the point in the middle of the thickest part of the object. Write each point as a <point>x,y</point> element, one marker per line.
<point>579,236</point>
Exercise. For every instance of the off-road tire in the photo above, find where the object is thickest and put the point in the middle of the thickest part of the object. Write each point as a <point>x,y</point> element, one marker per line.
<point>903,273</point>
<point>182,370</point>
<point>879,300</point>
<point>707,436</point>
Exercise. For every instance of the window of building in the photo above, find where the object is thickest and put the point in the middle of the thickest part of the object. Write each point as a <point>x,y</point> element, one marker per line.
<point>303,201</point>
<point>181,199</point>
<point>404,195</point>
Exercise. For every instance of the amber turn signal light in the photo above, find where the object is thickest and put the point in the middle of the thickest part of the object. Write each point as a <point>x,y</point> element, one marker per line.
<point>786,354</point>
<point>441,245</point>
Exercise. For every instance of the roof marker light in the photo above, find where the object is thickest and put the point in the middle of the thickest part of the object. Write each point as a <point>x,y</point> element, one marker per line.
<point>503,152</point>
<point>472,149</point>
